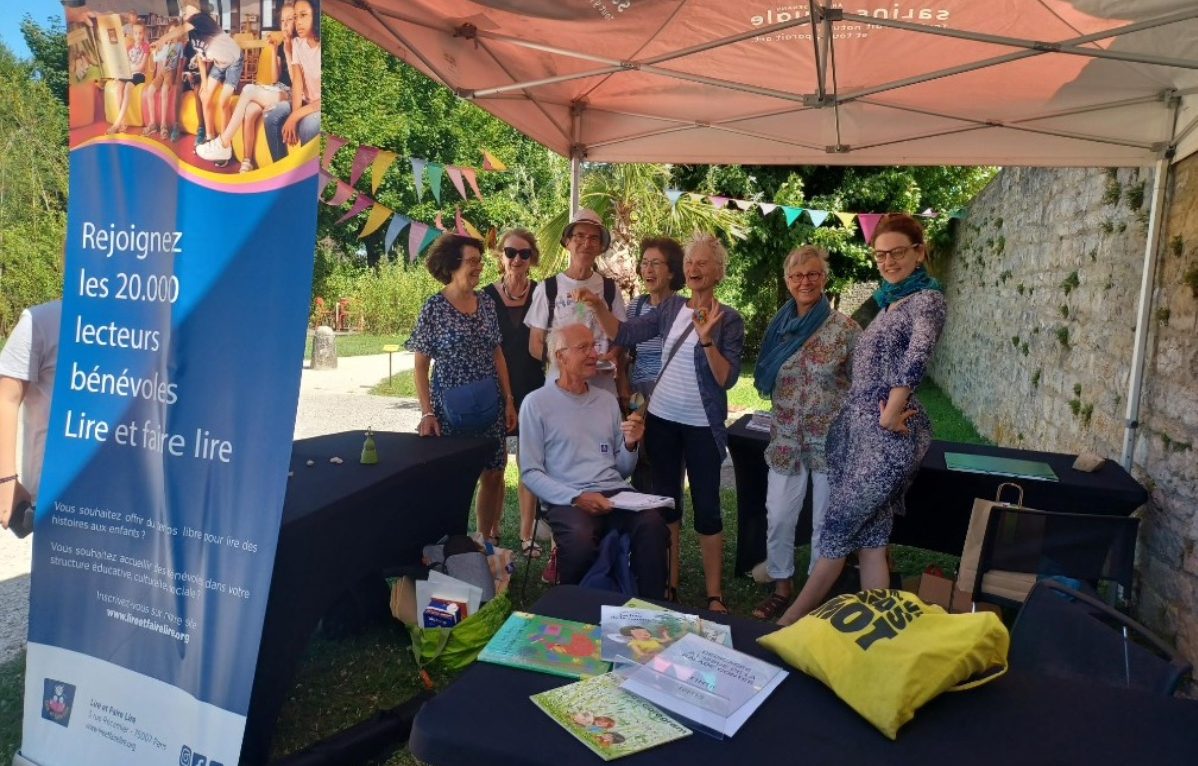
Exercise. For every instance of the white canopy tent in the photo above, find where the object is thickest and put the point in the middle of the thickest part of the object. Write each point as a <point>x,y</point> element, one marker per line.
<point>1090,83</point>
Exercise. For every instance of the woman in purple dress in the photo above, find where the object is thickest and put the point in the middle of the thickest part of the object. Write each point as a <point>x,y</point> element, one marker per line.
<point>882,432</point>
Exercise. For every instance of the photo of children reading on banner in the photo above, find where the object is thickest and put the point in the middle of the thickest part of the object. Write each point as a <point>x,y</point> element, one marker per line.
<point>230,87</point>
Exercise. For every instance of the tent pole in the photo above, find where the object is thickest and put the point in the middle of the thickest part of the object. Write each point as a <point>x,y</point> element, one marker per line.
<point>1156,220</point>
<point>576,153</point>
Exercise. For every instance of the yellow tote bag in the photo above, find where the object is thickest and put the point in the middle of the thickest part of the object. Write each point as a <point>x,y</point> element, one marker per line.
<point>886,653</point>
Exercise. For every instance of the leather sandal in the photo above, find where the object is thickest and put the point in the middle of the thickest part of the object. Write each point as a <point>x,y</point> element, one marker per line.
<point>530,548</point>
<point>771,607</point>
<point>713,601</point>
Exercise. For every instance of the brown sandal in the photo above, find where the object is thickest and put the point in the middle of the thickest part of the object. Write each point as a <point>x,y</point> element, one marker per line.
<point>713,601</point>
<point>773,606</point>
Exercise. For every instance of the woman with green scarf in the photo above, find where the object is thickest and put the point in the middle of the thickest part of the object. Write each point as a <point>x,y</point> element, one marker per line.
<point>882,432</point>
<point>804,369</point>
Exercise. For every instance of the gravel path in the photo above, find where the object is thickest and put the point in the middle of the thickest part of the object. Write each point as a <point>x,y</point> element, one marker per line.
<point>330,401</point>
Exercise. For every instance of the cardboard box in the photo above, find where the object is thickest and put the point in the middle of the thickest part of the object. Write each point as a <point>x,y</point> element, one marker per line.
<point>932,588</point>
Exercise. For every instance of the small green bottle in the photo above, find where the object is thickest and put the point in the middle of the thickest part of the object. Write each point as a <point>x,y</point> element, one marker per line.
<point>370,454</point>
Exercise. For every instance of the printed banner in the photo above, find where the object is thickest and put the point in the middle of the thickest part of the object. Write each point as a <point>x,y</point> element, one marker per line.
<point>188,271</point>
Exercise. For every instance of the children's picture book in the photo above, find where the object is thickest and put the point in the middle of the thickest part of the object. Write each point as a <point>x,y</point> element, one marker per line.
<point>611,722</point>
<point>635,635</point>
<point>714,687</point>
<point>712,631</point>
<point>546,644</point>
<point>112,47</point>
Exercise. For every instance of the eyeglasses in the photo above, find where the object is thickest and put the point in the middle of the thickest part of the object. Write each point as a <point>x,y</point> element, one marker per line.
<point>894,253</point>
<point>805,276</point>
<point>582,348</point>
<point>654,264</point>
<point>587,239</point>
<point>471,260</point>
<point>523,253</point>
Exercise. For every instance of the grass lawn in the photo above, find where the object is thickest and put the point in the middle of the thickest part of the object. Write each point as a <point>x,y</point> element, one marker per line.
<point>343,681</point>
<point>359,344</point>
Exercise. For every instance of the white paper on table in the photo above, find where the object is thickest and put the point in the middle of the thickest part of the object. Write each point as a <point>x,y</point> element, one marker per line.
<point>639,501</point>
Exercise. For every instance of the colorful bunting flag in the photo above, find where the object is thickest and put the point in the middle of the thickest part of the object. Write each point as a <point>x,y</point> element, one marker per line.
<point>398,222</point>
<point>472,179</point>
<point>817,216</point>
<point>418,166</point>
<point>695,197</point>
<point>767,207</point>
<point>792,214</point>
<point>341,196</point>
<point>929,213</point>
<point>416,236</point>
<point>325,180</point>
<point>718,202</point>
<point>332,144</point>
<point>846,219</point>
<point>458,228</point>
<point>491,163</point>
<point>743,204</point>
<point>382,161</point>
<point>378,214</point>
<point>437,222</point>
<point>868,222</point>
<point>674,195</point>
<point>455,175</point>
<point>360,204</point>
<point>362,160</point>
<point>435,174</point>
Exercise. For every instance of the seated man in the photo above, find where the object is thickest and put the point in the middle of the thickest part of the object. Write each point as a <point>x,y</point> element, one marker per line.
<point>575,453</point>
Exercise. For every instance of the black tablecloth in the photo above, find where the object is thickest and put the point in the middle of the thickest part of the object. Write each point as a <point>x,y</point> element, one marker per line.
<point>342,523</point>
<point>485,717</point>
<point>939,501</point>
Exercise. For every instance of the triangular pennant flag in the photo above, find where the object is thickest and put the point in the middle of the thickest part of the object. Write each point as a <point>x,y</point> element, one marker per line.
<point>430,237</point>
<point>418,174</point>
<point>458,228</point>
<point>472,179</point>
<point>360,204</point>
<point>416,239</point>
<point>674,195</point>
<point>958,213</point>
<point>398,222</point>
<point>382,161</point>
<point>767,207</point>
<point>868,222</point>
<point>473,232</point>
<point>846,219</point>
<point>437,222</point>
<point>325,180</point>
<point>341,196</point>
<point>378,214</point>
<point>455,175</point>
<point>929,213</point>
<point>818,216</point>
<point>362,160</point>
<point>491,163</point>
<point>333,143</point>
<point>792,213</point>
<point>435,174</point>
<point>743,204</point>
<point>718,202</point>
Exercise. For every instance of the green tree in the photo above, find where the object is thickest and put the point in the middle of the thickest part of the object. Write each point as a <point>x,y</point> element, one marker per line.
<point>48,45</point>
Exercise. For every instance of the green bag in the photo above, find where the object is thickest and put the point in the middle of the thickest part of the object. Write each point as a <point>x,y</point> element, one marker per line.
<point>455,648</point>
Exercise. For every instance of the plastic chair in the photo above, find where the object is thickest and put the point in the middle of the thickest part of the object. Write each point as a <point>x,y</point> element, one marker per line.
<point>1065,633</point>
<point>320,313</point>
<point>1023,545</point>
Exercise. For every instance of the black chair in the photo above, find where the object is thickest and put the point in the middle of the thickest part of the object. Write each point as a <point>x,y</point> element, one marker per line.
<point>1065,633</point>
<point>538,517</point>
<point>1023,545</point>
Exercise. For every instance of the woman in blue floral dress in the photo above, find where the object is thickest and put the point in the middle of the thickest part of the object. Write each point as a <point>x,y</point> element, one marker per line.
<point>457,332</point>
<point>882,432</point>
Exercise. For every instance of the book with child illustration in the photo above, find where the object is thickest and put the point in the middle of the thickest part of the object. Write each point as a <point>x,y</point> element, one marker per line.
<point>611,722</point>
<point>711,686</point>
<point>111,47</point>
<point>635,635</point>
<point>546,644</point>
<point>712,631</point>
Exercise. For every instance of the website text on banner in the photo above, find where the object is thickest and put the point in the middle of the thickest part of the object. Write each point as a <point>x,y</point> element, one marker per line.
<point>170,430</point>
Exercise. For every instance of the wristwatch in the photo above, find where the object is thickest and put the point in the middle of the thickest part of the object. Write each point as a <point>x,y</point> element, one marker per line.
<point>705,345</point>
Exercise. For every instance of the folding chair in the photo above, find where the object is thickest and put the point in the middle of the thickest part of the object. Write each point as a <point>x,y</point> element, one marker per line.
<point>1023,545</point>
<point>1065,633</point>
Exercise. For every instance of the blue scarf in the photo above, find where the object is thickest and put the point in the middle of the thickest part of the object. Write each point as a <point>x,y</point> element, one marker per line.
<point>783,338</point>
<point>919,279</point>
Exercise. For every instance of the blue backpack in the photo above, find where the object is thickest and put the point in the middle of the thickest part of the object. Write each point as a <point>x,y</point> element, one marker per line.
<point>612,570</point>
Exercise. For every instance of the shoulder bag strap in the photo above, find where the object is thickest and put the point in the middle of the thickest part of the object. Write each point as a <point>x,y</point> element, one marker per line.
<point>690,327</point>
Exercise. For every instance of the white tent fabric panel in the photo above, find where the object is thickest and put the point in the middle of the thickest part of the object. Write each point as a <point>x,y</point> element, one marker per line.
<point>1003,82</point>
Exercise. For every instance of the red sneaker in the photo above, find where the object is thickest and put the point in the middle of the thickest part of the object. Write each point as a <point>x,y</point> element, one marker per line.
<point>549,574</point>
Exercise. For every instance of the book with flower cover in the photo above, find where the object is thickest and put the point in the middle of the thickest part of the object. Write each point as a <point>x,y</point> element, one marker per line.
<point>609,721</point>
<point>548,645</point>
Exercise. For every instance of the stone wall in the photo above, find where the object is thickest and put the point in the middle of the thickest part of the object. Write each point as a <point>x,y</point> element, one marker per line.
<point>1042,288</point>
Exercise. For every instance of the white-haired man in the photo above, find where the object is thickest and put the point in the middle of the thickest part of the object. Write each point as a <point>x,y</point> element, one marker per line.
<point>555,300</point>
<point>575,453</point>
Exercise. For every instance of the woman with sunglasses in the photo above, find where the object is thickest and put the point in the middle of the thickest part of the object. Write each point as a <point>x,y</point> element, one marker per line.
<point>512,293</point>
<point>877,440</point>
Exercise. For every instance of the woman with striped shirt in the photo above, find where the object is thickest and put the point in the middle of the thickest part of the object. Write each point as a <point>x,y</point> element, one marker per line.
<point>701,350</point>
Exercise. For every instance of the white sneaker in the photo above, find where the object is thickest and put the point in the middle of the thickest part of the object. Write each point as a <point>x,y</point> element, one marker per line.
<point>214,151</point>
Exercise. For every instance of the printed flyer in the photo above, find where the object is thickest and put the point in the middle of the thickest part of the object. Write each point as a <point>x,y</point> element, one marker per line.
<point>194,141</point>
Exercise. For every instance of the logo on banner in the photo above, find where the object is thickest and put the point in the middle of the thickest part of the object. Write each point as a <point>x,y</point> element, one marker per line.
<point>188,757</point>
<point>58,699</point>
